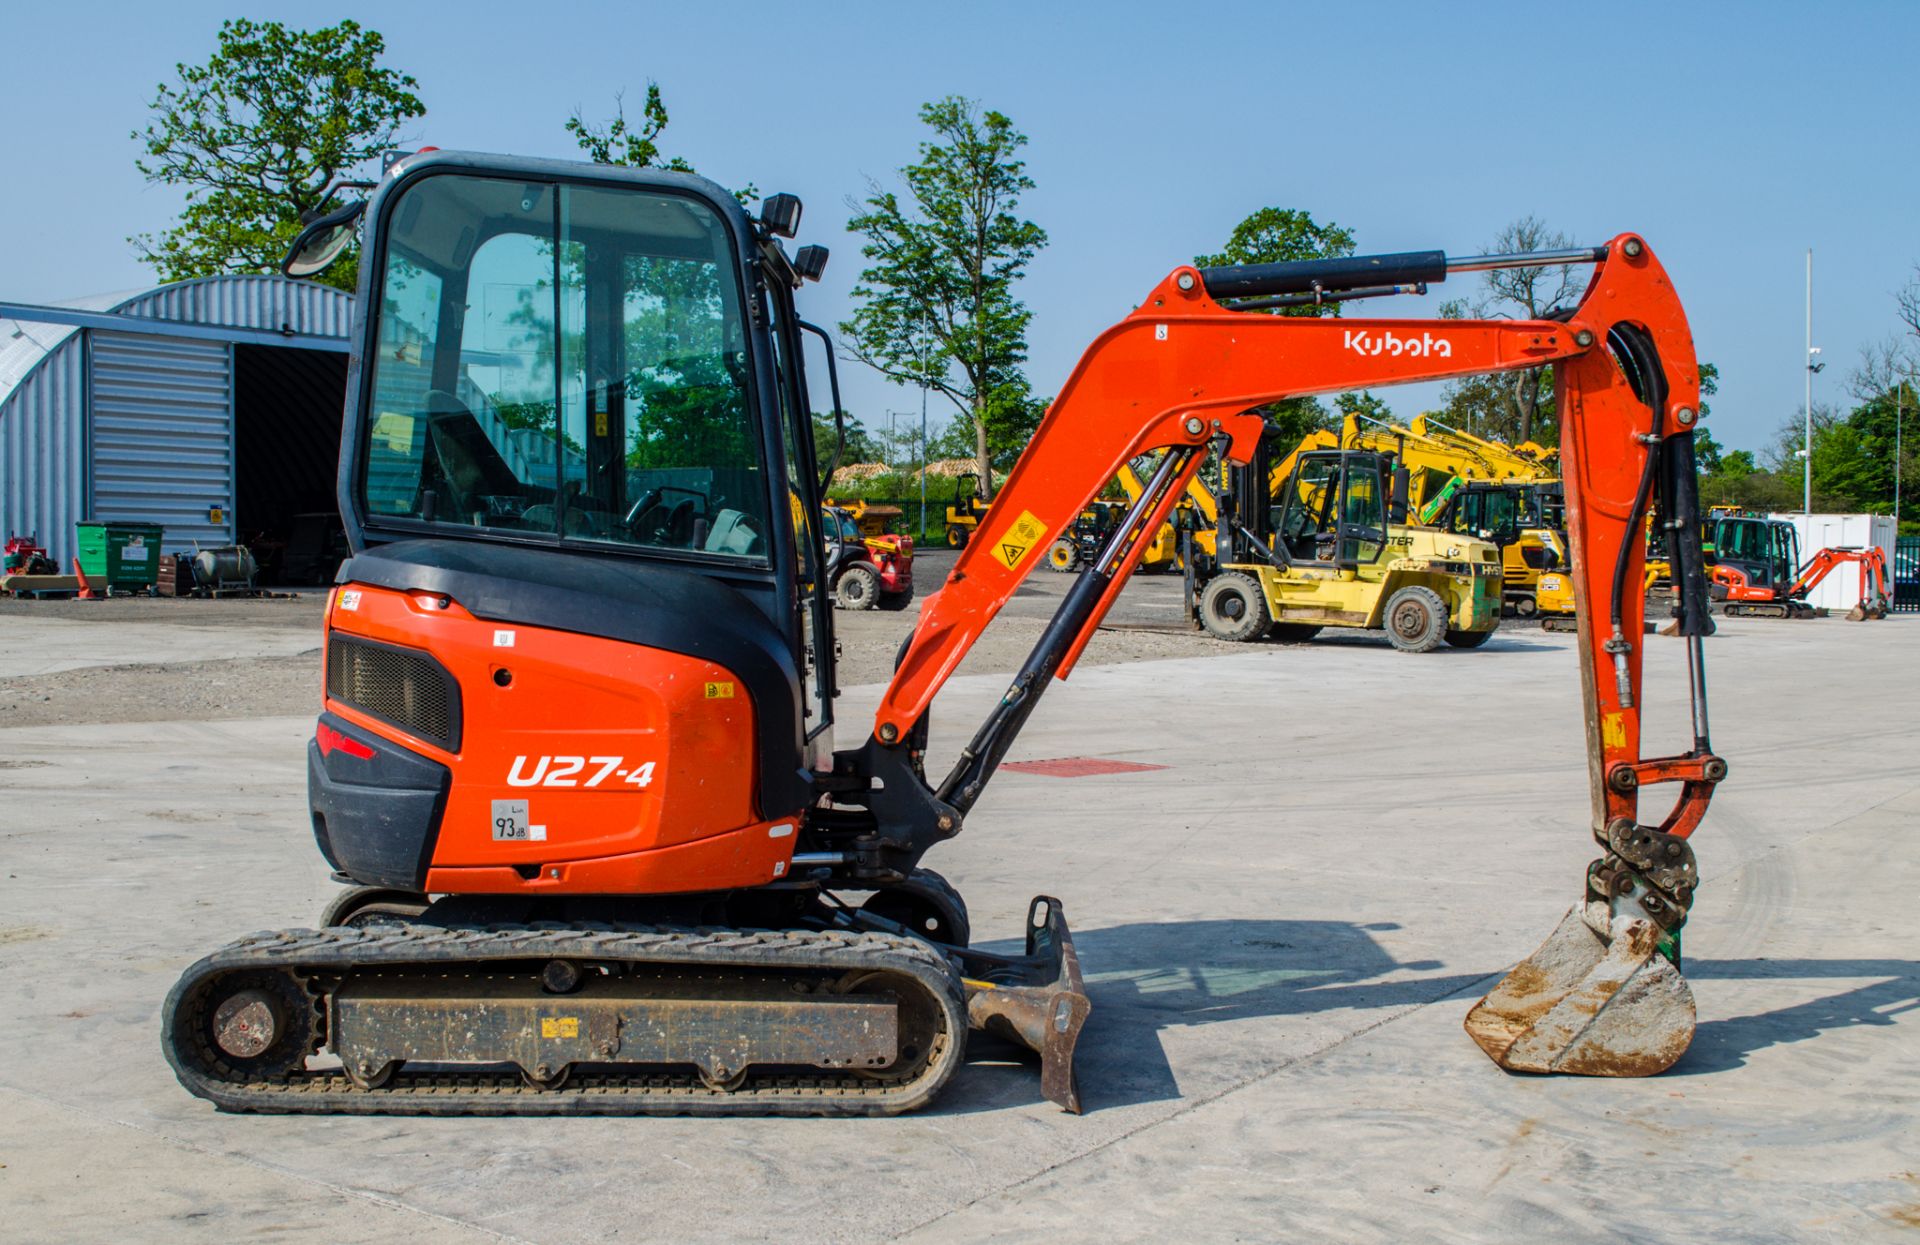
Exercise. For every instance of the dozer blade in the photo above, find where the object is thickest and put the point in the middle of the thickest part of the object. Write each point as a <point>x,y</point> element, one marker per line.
<point>1589,1004</point>
<point>1036,1000</point>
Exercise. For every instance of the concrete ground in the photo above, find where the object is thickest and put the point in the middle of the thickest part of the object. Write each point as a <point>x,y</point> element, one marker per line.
<point>1282,930</point>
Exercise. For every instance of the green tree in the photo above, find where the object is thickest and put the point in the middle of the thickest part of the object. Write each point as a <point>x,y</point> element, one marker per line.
<point>1275,235</point>
<point>1707,452</point>
<point>632,145</point>
<point>258,133</point>
<point>935,305</point>
<point>859,447</point>
<point>1514,406</point>
<point>1363,404</point>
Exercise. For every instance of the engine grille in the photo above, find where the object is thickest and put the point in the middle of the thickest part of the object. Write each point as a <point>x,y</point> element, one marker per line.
<point>402,686</point>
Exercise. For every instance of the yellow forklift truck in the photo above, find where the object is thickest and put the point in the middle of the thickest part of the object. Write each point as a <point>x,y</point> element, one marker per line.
<point>1335,550</point>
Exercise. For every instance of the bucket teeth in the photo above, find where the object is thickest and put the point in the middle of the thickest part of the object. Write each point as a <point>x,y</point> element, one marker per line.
<point>1588,1004</point>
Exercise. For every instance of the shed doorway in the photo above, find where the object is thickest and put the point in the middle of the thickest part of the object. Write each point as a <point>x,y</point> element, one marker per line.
<point>287,405</point>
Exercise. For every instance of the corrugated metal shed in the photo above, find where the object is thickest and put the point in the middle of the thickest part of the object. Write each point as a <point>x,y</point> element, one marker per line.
<point>163,399</point>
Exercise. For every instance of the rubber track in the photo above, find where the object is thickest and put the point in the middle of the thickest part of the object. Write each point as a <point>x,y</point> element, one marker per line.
<point>343,952</point>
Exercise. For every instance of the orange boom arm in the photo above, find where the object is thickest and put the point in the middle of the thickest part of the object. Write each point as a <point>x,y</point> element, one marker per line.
<point>1185,369</point>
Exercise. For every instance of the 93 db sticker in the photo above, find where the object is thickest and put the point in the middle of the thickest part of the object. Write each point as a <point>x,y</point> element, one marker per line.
<point>512,824</point>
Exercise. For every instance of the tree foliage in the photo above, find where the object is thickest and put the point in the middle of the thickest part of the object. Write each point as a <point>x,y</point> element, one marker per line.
<point>618,142</point>
<point>1853,452</point>
<point>936,306</point>
<point>635,145</point>
<point>1514,406</point>
<point>258,133</point>
<point>1276,235</point>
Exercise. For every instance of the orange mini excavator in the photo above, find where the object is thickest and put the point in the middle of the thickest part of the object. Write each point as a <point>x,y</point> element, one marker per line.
<point>576,752</point>
<point>1749,595</point>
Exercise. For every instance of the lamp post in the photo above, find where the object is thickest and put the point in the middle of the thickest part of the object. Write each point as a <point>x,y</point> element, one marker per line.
<point>923,460</point>
<point>1899,409</point>
<point>1806,444</point>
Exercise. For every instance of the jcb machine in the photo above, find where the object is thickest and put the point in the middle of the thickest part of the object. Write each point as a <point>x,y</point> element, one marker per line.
<point>1504,493</point>
<point>966,512</point>
<point>577,753</point>
<point>1333,549</point>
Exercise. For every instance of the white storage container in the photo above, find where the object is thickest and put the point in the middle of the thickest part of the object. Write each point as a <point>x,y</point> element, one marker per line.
<point>1840,590</point>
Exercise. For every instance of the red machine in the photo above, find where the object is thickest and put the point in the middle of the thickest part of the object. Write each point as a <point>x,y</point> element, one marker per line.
<point>576,751</point>
<point>1746,599</point>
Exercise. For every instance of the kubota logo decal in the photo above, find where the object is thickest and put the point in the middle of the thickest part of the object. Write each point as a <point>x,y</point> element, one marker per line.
<point>1364,341</point>
<point>567,771</point>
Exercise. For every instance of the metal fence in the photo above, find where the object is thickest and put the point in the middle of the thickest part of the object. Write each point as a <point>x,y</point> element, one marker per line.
<point>1906,574</point>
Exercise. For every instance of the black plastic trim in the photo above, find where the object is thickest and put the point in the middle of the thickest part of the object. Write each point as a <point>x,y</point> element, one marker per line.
<point>376,818</point>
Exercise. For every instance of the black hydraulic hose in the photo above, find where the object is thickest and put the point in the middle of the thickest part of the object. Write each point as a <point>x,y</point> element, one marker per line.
<point>1650,385</point>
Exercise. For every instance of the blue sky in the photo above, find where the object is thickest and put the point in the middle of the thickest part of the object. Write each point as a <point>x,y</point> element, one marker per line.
<point>1732,136</point>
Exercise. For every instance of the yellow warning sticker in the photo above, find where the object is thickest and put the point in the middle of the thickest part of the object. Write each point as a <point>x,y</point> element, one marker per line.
<point>1020,539</point>
<point>720,691</point>
<point>1613,727</point>
<point>559,1026</point>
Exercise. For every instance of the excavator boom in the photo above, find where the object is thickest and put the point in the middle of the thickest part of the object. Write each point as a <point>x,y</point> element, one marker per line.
<point>1188,368</point>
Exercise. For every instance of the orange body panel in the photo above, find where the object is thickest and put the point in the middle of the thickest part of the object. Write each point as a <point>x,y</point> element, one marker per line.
<point>633,761</point>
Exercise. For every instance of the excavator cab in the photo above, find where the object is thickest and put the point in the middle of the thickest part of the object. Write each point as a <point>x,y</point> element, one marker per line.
<point>1765,551</point>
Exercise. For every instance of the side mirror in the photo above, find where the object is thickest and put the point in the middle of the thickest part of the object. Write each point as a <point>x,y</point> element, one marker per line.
<point>323,241</point>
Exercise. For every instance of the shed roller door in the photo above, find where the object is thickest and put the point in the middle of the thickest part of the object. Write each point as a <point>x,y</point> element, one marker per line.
<point>163,435</point>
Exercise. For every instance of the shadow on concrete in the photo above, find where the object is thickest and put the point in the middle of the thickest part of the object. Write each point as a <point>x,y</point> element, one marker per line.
<point>1720,1045</point>
<point>1145,978</point>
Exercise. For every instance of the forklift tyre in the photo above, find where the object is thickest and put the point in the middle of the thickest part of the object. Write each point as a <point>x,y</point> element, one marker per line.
<point>1525,607</point>
<point>1416,619</point>
<point>858,589</point>
<point>956,536</point>
<point>1063,556</point>
<point>1234,608</point>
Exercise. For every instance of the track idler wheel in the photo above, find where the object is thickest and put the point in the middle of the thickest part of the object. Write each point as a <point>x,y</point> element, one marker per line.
<point>258,1024</point>
<point>1599,998</point>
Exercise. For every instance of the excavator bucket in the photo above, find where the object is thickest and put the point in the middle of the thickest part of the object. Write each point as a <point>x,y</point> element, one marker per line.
<point>1036,1000</point>
<point>1589,1003</point>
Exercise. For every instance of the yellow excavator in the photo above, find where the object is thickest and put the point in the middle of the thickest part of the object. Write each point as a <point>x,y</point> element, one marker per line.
<point>1473,486</point>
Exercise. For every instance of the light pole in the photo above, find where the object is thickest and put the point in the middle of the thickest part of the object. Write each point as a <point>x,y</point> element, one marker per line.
<point>923,461</point>
<point>1899,409</point>
<point>1806,444</point>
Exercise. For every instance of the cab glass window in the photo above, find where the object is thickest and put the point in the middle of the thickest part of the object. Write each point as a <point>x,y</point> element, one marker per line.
<point>566,362</point>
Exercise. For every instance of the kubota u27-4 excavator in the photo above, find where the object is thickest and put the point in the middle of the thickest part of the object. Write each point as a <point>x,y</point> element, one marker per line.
<point>577,749</point>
